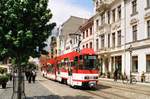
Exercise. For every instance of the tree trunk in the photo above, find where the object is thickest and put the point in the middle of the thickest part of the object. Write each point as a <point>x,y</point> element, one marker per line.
<point>19,83</point>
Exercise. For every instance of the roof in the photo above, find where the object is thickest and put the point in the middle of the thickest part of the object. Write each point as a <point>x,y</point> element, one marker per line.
<point>51,61</point>
<point>72,25</point>
<point>87,51</point>
<point>87,24</point>
<point>70,55</point>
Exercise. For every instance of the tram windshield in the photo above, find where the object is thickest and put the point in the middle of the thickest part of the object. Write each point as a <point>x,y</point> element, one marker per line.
<point>89,62</point>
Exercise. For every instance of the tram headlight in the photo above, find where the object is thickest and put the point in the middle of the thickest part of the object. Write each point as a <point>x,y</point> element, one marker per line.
<point>95,77</point>
<point>86,77</point>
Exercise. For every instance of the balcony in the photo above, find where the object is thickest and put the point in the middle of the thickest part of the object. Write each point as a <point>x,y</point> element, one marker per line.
<point>103,5</point>
<point>104,28</point>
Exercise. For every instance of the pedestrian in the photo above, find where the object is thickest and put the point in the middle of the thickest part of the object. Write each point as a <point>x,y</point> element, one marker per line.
<point>11,76</point>
<point>115,75</point>
<point>30,76</point>
<point>33,75</point>
<point>27,73</point>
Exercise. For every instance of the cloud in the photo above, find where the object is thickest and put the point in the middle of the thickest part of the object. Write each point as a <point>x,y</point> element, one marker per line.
<point>63,9</point>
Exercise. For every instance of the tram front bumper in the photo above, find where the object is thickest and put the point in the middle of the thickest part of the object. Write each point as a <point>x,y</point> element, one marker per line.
<point>92,84</point>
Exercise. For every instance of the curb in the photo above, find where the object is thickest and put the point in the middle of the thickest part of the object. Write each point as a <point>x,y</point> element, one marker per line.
<point>120,81</point>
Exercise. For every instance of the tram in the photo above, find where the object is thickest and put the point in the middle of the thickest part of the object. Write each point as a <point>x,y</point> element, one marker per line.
<point>74,68</point>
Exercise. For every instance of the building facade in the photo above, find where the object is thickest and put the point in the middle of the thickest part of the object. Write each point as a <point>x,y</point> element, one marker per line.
<point>138,37</point>
<point>67,41</point>
<point>87,34</point>
<point>121,36</point>
<point>109,33</point>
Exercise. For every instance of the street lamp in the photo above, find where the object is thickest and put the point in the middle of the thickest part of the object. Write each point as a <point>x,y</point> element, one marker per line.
<point>130,50</point>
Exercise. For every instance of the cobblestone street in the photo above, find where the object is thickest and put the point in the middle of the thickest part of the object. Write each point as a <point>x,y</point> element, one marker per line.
<point>32,91</point>
<point>107,89</point>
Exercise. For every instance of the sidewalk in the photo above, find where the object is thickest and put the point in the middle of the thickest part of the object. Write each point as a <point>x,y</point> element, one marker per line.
<point>32,91</point>
<point>120,81</point>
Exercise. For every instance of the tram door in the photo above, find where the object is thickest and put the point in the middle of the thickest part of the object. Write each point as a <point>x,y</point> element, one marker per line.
<point>69,81</point>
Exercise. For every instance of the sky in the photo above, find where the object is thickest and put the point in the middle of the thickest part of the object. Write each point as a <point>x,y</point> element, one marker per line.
<point>63,9</point>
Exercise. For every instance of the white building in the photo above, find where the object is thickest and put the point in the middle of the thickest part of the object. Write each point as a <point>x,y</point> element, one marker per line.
<point>87,34</point>
<point>69,43</point>
<point>137,35</point>
<point>122,31</point>
<point>109,33</point>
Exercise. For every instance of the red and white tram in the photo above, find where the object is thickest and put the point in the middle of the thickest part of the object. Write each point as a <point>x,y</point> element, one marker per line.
<point>74,68</point>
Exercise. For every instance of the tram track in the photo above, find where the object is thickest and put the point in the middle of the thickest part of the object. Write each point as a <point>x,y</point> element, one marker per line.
<point>130,89</point>
<point>98,95</point>
<point>103,94</point>
<point>104,91</point>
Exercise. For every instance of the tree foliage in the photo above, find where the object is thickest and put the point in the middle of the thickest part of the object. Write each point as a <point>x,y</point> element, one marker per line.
<point>23,26</point>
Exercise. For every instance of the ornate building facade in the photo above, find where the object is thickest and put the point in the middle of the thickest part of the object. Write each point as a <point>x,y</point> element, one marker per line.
<point>121,36</point>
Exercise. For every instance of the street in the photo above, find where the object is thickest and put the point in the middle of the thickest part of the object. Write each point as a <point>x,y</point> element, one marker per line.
<point>47,89</point>
<point>105,90</point>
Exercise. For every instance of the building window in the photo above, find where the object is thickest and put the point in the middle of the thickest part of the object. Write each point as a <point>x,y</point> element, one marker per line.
<point>97,24</point>
<point>90,44</point>
<point>55,51</point>
<point>148,29</point>
<point>97,43</point>
<point>119,12</point>
<point>102,41</point>
<point>91,31</point>
<point>108,15</point>
<point>134,63</point>
<point>148,3</point>
<point>119,38</point>
<point>103,18</point>
<point>114,14</point>
<point>86,45</point>
<point>96,3</point>
<point>83,46</point>
<point>134,6</point>
<point>134,31</point>
<point>108,40</point>
<point>147,63</point>
<point>113,40</point>
<point>76,40</point>
<point>83,35</point>
<point>87,33</point>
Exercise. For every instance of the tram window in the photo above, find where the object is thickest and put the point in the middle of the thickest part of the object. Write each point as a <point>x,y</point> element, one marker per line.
<point>85,57</point>
<point>59,65</point>
<point>91,57</point>
<point>80,57</point>
<point>75,63</point>
<point>69,64</point>
<point>72,63</point>
<point>62,64</point>
<point>76,58</point>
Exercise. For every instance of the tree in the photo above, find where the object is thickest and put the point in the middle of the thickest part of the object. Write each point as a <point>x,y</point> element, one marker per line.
<point>23,26</point>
